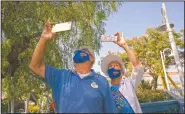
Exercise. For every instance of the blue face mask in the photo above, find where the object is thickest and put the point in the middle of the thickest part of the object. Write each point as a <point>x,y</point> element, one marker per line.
<point>113,73</point>
<point>80,56</point>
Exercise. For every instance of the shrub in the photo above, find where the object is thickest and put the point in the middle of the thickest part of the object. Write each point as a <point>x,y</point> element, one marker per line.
<point>4,105</point>
<point>146,94</point>
<point>145,85</point>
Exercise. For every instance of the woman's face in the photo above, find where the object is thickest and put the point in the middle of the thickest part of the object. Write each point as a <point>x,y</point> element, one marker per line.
<point>116,65</point>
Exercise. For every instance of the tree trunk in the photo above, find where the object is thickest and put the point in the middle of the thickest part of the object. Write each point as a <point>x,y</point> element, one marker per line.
<point>154,83</point>
<point>12,105</point>
<point>9,107</point>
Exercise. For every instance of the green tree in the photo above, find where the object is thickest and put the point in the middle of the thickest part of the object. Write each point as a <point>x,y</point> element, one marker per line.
<point>22,24</point>
<point>148,50</point>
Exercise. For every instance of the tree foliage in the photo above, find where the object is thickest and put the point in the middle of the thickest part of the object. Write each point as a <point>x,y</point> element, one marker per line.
<point>22,24</point>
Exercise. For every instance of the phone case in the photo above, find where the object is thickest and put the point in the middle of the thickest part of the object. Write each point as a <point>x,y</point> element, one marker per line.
<point>106,38</point>
<point>62,27</point>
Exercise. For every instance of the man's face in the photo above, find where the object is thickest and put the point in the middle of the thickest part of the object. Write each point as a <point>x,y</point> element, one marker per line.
<point>116,65</point>
<point>87,63</point>
<point>90,55</point>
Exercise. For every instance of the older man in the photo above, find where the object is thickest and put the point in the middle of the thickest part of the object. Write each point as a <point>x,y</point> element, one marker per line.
<point>123,90</point>
<point>76,91</point>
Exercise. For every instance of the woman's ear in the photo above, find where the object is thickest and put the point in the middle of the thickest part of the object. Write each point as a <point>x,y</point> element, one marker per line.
<point>122,72</point>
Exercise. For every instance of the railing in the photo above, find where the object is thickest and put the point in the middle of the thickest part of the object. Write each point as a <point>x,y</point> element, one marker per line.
<point>178,95</point>
<point>170,106</point>
<point>179,92</point>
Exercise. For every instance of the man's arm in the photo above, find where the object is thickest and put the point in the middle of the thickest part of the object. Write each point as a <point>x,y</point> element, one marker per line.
<point>37,62</point>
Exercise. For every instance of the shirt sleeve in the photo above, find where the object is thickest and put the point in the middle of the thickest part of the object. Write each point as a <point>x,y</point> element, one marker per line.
<point>109,105</point>
<point>137,74</point>
<point>52,76</point>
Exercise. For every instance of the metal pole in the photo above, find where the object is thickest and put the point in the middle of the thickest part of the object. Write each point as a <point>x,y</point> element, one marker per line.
<point>173,46</point>
<point>42,103</point>
<point>165,75</point>
<point>27,103</point>
<point>12,95</point>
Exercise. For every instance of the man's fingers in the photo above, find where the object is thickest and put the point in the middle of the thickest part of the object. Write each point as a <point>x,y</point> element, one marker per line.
<point>53,23</point>
<point>48,27</point>
<point>50,24</point>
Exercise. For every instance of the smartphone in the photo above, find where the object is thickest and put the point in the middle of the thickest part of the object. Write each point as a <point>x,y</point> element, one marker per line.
<point>61,27</point>
<point>108,38</point>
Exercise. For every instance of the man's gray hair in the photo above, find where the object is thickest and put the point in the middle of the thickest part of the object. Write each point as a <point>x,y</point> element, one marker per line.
<point>88,48</point>
<point>91,51</point>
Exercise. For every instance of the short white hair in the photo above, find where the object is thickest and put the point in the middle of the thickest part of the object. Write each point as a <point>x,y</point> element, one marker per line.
<point>90,50</point>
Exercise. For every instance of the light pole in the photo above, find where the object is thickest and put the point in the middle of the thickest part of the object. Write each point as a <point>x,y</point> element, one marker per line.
<point>164,68</point>
<point>167,27</point>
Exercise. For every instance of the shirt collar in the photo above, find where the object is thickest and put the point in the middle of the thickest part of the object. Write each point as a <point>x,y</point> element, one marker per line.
<point>90,75</point>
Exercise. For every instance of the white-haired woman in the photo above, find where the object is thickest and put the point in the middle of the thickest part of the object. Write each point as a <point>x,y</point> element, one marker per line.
<point>123,90</point>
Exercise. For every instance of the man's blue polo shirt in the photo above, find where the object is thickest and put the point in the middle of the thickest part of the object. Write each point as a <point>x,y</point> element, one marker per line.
<point>73,94</point>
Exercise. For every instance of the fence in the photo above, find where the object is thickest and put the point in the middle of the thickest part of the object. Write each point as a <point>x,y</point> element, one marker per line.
<point>170,106</point>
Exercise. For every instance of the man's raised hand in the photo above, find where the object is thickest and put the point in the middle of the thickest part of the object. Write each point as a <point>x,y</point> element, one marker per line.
<point>47,34</point>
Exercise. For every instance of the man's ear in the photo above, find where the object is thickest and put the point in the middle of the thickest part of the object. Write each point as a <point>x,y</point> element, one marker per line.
<point>92,59</point>
<point>75,65</point>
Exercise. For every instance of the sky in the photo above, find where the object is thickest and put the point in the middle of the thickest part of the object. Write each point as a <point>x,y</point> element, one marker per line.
<point>133,18</point>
